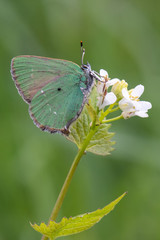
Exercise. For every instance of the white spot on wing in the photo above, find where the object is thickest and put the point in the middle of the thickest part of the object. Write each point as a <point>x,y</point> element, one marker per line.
<point>43,93</point>
<point>55,113</point>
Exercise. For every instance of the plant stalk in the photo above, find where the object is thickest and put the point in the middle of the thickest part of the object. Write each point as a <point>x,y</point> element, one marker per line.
<point>112,119</point>
<point>67,182</point>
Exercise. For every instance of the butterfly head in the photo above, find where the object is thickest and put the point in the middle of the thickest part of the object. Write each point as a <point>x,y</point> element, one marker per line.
<point>86,67</point>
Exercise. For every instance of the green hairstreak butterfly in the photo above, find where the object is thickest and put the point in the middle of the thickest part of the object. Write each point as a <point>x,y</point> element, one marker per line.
<point>56,90</point>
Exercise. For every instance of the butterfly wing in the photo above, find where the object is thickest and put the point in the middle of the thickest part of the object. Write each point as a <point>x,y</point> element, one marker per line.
<point>53,88</point>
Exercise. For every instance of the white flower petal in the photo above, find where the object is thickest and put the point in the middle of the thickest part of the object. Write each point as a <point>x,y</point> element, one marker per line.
<point>137,91</point>
<point>145,105</point>
<point>100,87</point>
<point>112,82</point>
<point>125,93</point>
<point>110,98</point>
<point>126,104</point>
<point>103,73</point>
<point>142,114</point>
<point>142,105</point>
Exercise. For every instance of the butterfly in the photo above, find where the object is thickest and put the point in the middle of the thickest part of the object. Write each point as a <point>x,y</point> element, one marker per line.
<point>56,90</point>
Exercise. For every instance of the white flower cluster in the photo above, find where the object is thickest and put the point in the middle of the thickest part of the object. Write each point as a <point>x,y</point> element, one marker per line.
<point>127,100</point>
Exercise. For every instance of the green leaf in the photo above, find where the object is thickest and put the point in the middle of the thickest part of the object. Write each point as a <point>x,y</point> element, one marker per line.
<point>100,143</point>
<point>73,225</point>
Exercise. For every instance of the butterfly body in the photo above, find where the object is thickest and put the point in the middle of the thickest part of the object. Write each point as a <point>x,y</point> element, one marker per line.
<point>56,90</point>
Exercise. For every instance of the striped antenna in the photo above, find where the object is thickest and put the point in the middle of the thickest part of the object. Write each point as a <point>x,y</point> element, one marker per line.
<point>82,52</point>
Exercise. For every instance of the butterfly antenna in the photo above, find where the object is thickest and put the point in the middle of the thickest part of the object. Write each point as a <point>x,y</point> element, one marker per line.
<point>82,52</point>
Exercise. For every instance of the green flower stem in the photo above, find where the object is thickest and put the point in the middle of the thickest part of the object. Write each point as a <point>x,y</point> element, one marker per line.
<point>114,109</point>
<point>70,175</point>
<point>110,109</point>
<point>112,119</point>
<point>104,114</point>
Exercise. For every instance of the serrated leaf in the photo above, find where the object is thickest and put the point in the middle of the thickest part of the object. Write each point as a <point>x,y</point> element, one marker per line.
<point>69,226</point>
<point>100,143</point>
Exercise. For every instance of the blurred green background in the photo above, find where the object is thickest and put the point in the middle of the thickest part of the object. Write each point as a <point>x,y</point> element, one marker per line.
<point>123,37</point>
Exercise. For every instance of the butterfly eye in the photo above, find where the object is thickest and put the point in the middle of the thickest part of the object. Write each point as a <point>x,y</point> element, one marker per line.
<point>59,89</point>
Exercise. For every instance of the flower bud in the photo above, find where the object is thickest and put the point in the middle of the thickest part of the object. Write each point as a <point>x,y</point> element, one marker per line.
<point>117,88</point>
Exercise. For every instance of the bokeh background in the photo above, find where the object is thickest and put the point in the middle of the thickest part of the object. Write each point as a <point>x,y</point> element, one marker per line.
<point>123,37</point>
